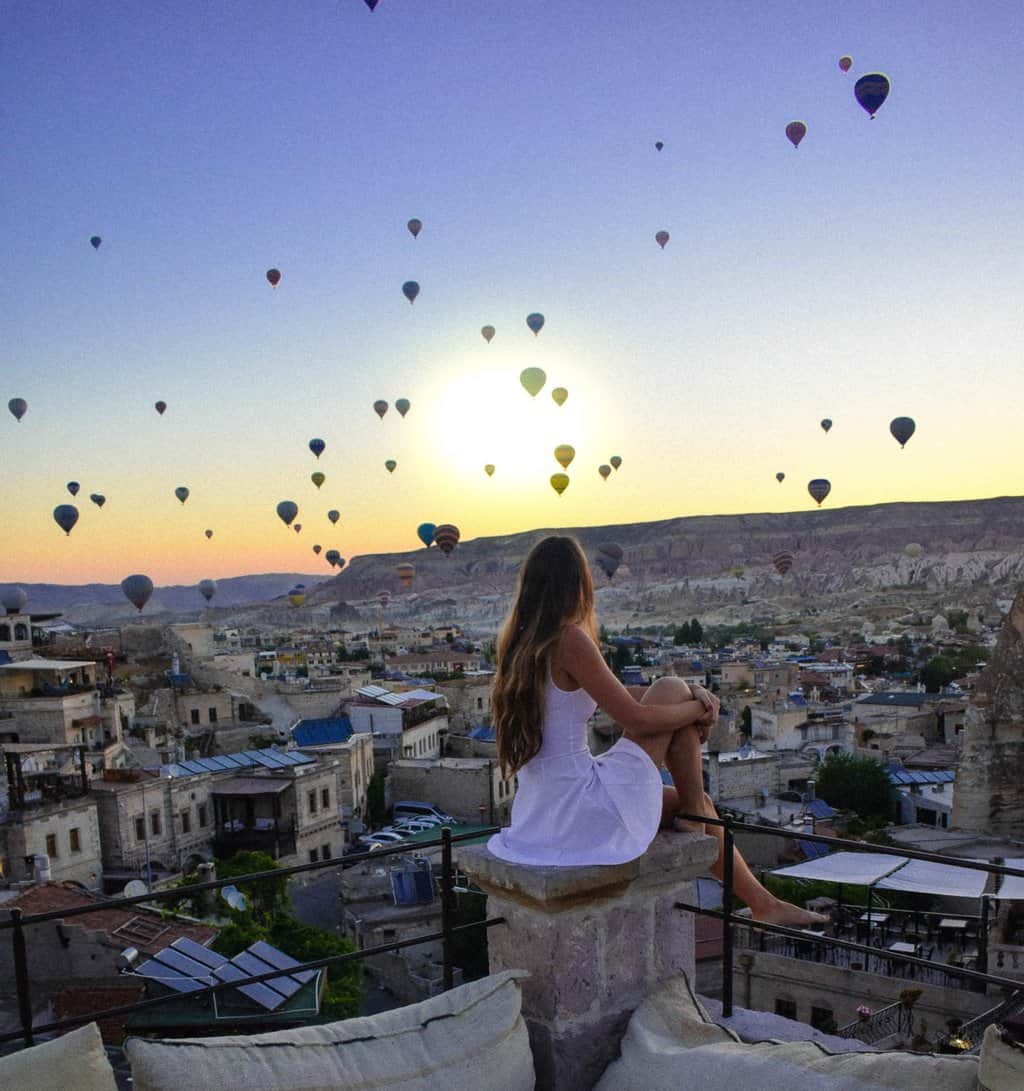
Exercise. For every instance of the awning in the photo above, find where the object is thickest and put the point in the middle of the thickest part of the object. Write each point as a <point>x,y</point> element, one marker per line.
<point>925,877</point>
<point>250,786</point>
<point>859,868</point>
<point>892,873</point>
<point>1012,886</point>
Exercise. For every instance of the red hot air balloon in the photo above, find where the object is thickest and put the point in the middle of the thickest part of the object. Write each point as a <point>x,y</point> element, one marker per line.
<point>161,408</point>
<point>819,488</point>
<point>661,238</point>
<point>380,407</point>
<point>782,561</point>
<point>274,277</point>
<point>845,62</point>
<point>446,538</point>
<point>795,132</point>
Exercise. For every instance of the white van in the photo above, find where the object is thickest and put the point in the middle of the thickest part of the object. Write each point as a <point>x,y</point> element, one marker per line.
<point>416,808</point>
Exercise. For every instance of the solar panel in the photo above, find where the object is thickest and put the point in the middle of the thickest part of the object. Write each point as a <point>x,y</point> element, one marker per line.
<point>812,850</point>
<point>192,766</point>
<point>222,762</point>
<point>198,952</point>
<point>182,964</point>
<point>157,971</point>
<point>266,998</point>
<point>285,985</point>
<point>270,760</point>
<point>278,959</point>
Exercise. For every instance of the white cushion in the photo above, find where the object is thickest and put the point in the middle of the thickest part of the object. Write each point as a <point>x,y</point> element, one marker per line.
<point>463,1039</point>
<point>670,1045</point>
<point>75,1061</point>
<point>1002,1063</point>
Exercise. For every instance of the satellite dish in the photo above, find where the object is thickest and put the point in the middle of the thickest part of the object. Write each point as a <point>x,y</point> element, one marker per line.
<point>134,889</point>
<point>234,897</point>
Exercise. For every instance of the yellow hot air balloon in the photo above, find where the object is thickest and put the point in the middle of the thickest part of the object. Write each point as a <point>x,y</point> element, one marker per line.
<point>406,572</point>
<point>489,469</point>
<point>533,380</point>
<point>297,595</point>
<point>559,482</point>
<point>317,478</point>
<point>559,394</point>
<point>564,454</point>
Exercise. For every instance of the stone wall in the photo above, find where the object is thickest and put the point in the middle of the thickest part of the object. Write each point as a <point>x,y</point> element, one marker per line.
<point>471,789</point>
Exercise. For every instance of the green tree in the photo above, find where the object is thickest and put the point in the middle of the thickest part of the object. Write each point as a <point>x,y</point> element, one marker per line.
<point>747,720</point>
<point>266,897</point>
<point>696,631</point>
<point>375,801</point>
<point>683,634</point>
<point>937,673</point>
<point>859,784</point>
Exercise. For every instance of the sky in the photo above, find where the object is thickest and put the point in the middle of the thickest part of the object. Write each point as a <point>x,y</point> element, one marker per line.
<point>873,272</point>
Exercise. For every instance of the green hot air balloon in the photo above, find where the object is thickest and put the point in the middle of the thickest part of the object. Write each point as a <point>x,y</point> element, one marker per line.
<point>616,461</point>
<point>390,465</point>
<point>532,380</point>
<point>559,395</point>
<point>489,469</point>
<point>403,405</point>
<point>487,332</point>
<point>559,482</point>
<point>317,478</point>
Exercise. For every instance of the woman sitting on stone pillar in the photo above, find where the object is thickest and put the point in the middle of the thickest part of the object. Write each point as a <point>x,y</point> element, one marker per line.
<point>573,809</point>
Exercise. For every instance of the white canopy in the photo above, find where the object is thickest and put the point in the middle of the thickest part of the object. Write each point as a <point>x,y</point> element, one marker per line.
<point>894,873</point>
<point>860,868</point>
<point>925,877</point>
<point>1012,887</point>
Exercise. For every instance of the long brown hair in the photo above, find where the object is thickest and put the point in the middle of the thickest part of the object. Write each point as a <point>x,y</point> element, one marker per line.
<point>555,590</point>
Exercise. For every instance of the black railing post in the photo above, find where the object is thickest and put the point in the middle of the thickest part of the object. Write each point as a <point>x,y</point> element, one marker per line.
<point>21,977</point>
<point>446,905</point>
<point>727,852</point>
<point>982,964</point>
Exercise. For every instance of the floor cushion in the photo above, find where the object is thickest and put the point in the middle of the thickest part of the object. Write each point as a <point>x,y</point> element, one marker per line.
<point>76,1060</point>
<point>472,1037</point>
<point>671,1045</point>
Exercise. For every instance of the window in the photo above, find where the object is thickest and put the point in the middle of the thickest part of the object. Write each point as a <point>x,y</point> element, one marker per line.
<point>140,828</point>
<point>325,798</point>
<point>822,1019</point>
<point>201,811</point>
<point>325,852</point>
<point>186,820</point>
<point>311,797</point>
<point>213,715</point>
<point>154,823</point>
<point>479,702</point>
<point>75,839</point>
<point>51,846</point>
<point>314,855</point>
<point>194,715</point>
<point>785,1008</point>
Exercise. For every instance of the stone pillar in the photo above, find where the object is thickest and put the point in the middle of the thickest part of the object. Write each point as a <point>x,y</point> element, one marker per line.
<point>596,940</point>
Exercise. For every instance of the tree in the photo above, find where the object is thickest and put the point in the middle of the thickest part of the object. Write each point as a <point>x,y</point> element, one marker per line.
<point>859,784</point>
<point>375,800</point>
<point>747,719</point>
<point>683,634</point>
<point>265,896</point>
<point>937,673</point>
<point>696,631</point>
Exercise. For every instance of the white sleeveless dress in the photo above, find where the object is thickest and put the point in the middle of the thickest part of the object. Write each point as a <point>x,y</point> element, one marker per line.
<point>573,809</point>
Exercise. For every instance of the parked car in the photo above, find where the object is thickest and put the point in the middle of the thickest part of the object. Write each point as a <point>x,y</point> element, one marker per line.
<point>382,837</point>
<point>415,825</point>
<point>416,808</point>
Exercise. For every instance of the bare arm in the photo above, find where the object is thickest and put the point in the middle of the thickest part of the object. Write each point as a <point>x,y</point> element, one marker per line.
<point>580,658</point>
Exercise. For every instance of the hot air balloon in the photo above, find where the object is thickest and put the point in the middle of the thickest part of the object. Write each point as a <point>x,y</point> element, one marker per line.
<point>661,238</point>
<point>207,588</point>
<point>98,499</point>
<point>181,493</point>
<point>782,561</point>
<point>559,395</point>
<point>274,277</point>
<point>317,478</point>
<point>317,549</point>
<point>65,516</point>
<point>487,332</point>
<point>297,595</point>
<point>137,590</point>
<point>616,461</point>
<point>489,469</point>
<point>13,599</point>
<point>410,289</point>
<point>659,144</point>
<point>332,556</point>
<point>819,488</point>
<point>446,538</point>
<point>536,322</point>
<point>160,407</point>
<point>604,470</point>
<point>286,511</point>
<point>826,425</point>
<point>380,407</point>
<point>913,550</point>
<point>902,428</point>
<point>95,240</point>
<point>334,515</point>
<point>317,446</point>
<point>371,4</point>
<point>780,477</point>
<point>415,227</point>
<point>208,533</point>
<point>73,487</point>
<point>871,91</point>
<point>406,573</point>
<point>532,380</point>
<point>18,407</point>
<point>297,527</point>
<point>390,465</point>
<point>609,557</point>
<point>425,533</point>
<point>403,405</point>
<point>564,454</point>
<point>559,482</point>
<point>845,62</point>
<point>383,597</point>
<point>795,132</point>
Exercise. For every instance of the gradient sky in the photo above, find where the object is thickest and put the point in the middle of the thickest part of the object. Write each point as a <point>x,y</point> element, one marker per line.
<point>875,271</point>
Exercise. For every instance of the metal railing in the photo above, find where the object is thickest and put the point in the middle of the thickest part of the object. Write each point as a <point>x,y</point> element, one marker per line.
<point>19,921</point>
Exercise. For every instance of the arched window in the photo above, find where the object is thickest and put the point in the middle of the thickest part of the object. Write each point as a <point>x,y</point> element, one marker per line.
<point>5,632</point>
<point>21,631</point>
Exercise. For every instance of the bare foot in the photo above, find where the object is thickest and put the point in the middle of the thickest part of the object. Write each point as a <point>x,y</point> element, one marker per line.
<point>777,911</point>
<point>684,825</point>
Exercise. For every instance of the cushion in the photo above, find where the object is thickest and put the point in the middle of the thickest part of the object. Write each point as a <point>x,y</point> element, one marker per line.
<point>670,1045</point>
<point>1002,1063</point>
<point>75,1060</point>
<point>457,1040</point>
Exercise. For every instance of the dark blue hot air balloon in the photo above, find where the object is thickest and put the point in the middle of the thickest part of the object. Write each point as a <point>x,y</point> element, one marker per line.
<point>287,510</point>
<point>317,446</point>
<point>65,516</point>
<point>902,428</point>
<point>536,322</point>
<point>425,533</point>
<point>137,590</point>
<point>95,240</point>
<point>18,408</point>
<point>819,488</point>
<point>73,487</point>
<point>410,289</point>
<point>871,91</point>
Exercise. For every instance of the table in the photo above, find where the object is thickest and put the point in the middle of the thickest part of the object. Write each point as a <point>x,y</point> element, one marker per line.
<point>901,948</point>
<point>873,918</point>
<point>952,922</point>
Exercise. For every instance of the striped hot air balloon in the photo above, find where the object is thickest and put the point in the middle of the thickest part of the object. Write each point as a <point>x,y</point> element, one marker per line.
<point>782,561</point>
<point>446,538</point>
<point>819,488</point>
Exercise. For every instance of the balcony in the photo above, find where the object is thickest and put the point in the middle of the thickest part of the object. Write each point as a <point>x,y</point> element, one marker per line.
<point>263,835</point>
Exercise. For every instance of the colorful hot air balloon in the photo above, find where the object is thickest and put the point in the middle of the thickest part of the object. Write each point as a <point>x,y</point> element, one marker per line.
<point>65,516</point>
<point>95,240</point>
<point>536,322</point>
<point>415,227</point>
<point>137,590</point>
<point>487,332</point>
<point>902,428</point>
<point>532,380</point>
<point>317,549</point>
<point>845,62</point>
<point>297,527</point>
<point>181,493</point>
<point>406,573</point>
<point>782,561</point>
<point>659,144</point>
<point>317,478</point>
<point>913,550</point>
<point>18,407</point>
<point>559,395</point>
<point>564,454</point>
<point>425,533</point>
<point>297,595</point>
<point>317,446</point>
<point>98,499</point>
<point>390,465</point>
<point>208,533</point>
<point>795,132</point>
<point>332,556</point>
<point>819,488</point>
<point>274,277</point>
<point>380,407</point>
<point>780,477</point>
<point>446,538</point>
<point>609,557</point>
<point>616,461</point>
<point>559,482</point>
<point>73,487</point>
<point>661,238</point>
<point>871,91</point>
<point>286,511</point>
<point>334,515</point>
<point>207,588</point>
<point>489,469</point>
<point>410,289</point>
<point>826,425</point>
<point>604,470</point>
<point>403,405</point>
<point>160,407</point>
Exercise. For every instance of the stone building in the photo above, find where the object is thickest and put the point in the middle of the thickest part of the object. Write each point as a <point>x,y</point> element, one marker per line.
<point>471,789</point>
<point>442,660</point>
<point>403,725</point>
<point>469,700</point>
